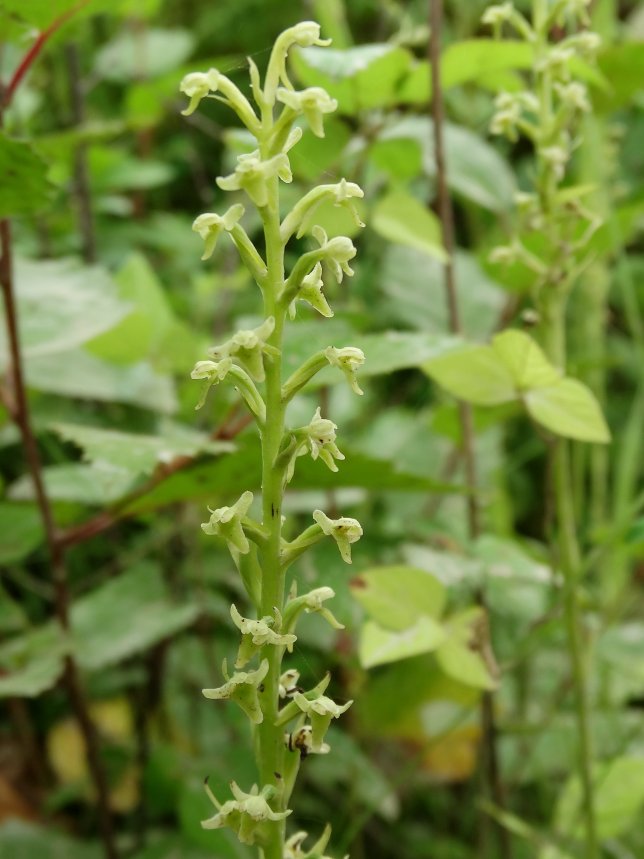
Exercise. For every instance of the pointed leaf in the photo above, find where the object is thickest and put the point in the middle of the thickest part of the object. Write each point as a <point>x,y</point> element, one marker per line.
<point>525,360</point>
<point>472,373</point>
<point>570,409</point>
<point>466,654</point>
<point>401,218</point>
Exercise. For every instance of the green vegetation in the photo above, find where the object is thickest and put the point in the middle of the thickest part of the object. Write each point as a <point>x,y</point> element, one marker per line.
<point>486,650</point>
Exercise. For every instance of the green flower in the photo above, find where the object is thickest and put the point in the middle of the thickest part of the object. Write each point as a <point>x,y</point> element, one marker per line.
<point>198,85</point>
<point>320,711</point>
<point>246,813</point>
<point>226,522</point>
<point>252,175</point>
<point>212,372</point>
<point>347,359</point>
<point>288,683</point>
<point>311,292</point>
<point>259,633</point>
<point>242,688</point>
<point>293,847</point>
<point>301,740</point>
<point>337,252</point>
<point>248,347</point>
<point>210,226</point>
<point>313,102</point>
<point>318,439</point>
<point>344,531</point>
<point>311,602</point>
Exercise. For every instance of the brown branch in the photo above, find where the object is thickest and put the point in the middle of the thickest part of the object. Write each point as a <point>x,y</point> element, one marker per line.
<point>32,53</point>
<point>71,676</point>
<point>82,190</point>
<point>446,215</point>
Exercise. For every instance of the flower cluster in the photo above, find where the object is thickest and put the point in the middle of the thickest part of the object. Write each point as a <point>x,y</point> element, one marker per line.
<point>251,360</point>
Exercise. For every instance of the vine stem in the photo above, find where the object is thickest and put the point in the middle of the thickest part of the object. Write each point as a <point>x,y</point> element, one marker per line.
<point>270,746</point>
<point>491,766</point>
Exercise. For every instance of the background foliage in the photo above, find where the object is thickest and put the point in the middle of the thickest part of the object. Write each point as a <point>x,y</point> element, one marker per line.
<point>102,178</point>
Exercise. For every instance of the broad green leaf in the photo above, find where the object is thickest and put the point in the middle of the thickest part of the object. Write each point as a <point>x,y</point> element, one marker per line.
<point>414,287</point>
<point>475,169</point>
<point>78,374</point>
<point>151,330</point>
<point>465,654</point>
<point>401,218</point>
<point>619,797</point>
<point>31,663</point>
<point>473,59</point>
<point>359,78</point>
<point>384,352</point>
<point>400,159</point>
<point>113,169</point>
<point>148,53</point>
<point>22,840</point>
<point>623,67</point>
<point>472,373</point>
<point>396,597</point>
<point>100,635</point>
<point>525,360</point>
<point>314,155</point>
<point>24,189</point>
<point>136,453</point>
<point>378,645</point>
<point>568,408</point>
<point>94,485</point>
<point>62,304</point>
<point>21,531</point>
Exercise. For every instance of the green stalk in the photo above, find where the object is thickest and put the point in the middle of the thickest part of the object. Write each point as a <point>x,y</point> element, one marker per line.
<point>270,747</point>
<point>553,303</point>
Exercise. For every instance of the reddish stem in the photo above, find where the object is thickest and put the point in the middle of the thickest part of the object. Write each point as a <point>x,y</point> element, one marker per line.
<point>30,56</point>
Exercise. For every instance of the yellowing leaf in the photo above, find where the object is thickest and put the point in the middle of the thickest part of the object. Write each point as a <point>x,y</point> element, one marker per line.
<point>525,360</point>
<point>570,409</point>
<point>396,597</point>
<point>473,373</point>
<point>379,646</point>
<point>466,654</point>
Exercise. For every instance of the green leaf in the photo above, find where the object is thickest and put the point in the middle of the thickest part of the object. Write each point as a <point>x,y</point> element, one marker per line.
<point>132,55</point>
<point>399,217</point>
<point>473,59</point>
<point>78,374</point>
<point>378,645</point>
<point>568,408</point>
<point>619,796</point>
<point>24,189</point>
<point>151,330</point>
<point>415,289</point>
<point>100,635</point>
<point>21,531</point>
<point>384,352</point>
<point>359,78</point>
<point>314,155</point>
<point>30,664</point>
<point>93,485</point>
<point>21,840</point>
<point>472,373</point>
<point>400,159</point>
<point>135,453</point>
<point>475,169</point>
<point>396,597</point>
<point>525,360</point>
<point>61,305</point>
<point>466,655</point>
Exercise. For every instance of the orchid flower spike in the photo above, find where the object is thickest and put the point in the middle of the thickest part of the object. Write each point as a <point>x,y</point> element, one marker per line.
<point>318,439</point>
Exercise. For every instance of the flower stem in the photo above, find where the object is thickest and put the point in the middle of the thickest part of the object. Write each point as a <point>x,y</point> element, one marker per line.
<point>270,746</point>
